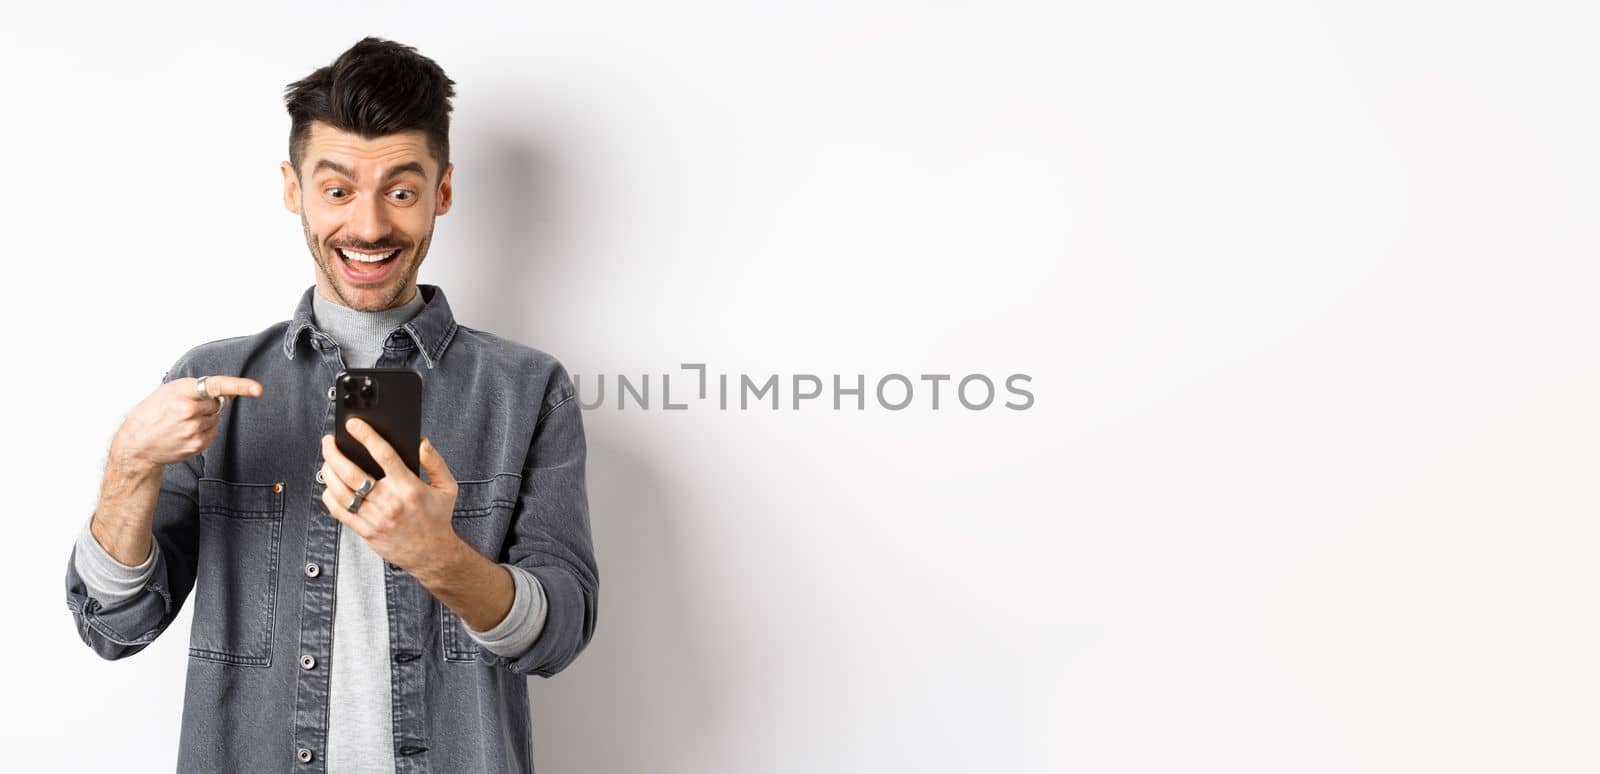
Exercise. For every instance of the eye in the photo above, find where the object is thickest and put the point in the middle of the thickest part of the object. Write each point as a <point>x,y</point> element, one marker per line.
<point>408,195</point>
<point>330,192</point>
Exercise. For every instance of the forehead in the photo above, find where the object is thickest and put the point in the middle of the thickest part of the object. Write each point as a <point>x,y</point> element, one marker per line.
<point>366,158</point>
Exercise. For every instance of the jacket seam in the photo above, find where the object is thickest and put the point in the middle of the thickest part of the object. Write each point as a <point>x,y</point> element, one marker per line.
<point>559,404</point>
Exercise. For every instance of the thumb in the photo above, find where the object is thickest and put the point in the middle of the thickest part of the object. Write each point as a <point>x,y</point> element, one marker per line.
<point>438,471</point>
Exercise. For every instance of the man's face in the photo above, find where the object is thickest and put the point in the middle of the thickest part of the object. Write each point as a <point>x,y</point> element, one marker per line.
<point>360,198</point>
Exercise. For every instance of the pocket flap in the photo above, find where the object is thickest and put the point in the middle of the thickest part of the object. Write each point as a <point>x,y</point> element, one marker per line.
<point>479,498</point>
<point>261,501</point>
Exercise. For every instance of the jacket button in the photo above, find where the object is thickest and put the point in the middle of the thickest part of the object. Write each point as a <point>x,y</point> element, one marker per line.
<point>312,570</point>
<point>307,662</point>
<point>277,487</point>
<point>304,754</point>
<point>330,393</point>
<point>319,476</point>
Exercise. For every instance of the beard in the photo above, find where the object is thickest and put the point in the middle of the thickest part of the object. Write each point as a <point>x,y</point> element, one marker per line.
<point>402,278</point>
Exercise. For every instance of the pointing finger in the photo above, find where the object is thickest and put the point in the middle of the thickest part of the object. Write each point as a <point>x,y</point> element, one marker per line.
<point>219,385</point>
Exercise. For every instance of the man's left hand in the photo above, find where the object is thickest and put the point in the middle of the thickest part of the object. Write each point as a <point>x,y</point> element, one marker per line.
<point>406,520</point>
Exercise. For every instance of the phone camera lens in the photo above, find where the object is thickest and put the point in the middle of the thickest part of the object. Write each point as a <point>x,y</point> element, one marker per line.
<point>360,392</point>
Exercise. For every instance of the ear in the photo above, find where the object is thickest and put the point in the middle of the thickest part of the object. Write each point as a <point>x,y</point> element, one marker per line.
<point>445,190</point>
<point>291,187</point>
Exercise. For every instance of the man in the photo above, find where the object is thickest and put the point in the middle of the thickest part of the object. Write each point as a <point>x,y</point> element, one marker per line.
<point>343,624</point>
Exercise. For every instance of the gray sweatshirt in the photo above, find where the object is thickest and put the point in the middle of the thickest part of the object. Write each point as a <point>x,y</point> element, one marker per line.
<point>360,731</point>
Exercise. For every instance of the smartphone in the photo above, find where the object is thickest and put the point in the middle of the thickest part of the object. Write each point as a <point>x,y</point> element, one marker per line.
<point>388,399</point>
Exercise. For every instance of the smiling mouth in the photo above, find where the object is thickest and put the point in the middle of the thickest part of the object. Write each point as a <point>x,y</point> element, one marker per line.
<point>362,262</point>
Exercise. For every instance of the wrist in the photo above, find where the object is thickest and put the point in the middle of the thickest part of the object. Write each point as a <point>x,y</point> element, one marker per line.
<point>125,459</point>
<point>446,563</point>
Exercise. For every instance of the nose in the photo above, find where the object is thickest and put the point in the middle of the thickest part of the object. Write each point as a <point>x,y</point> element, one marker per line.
<point>368,222</point>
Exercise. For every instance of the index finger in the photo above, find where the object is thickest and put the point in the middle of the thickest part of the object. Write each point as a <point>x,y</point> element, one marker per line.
<point>377,446</point>
<point>219,385</point>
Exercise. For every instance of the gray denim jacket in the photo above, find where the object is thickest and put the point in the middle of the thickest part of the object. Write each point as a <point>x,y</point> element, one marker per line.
<point>242,525</point>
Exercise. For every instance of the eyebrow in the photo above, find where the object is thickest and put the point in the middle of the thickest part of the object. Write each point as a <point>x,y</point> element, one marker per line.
<point>396,171</point>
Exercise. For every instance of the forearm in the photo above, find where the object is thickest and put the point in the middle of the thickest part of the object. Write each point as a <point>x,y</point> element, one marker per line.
<point>122,519</point>
<point>477,589</point>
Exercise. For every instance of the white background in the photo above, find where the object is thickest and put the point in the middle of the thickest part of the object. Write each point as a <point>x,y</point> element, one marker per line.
<point>1306,291</point>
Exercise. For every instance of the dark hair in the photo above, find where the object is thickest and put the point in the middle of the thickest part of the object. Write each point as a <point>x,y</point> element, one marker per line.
<point>377,87</point>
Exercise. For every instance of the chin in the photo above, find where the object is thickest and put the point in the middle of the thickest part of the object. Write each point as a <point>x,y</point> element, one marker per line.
<point>372,298</point>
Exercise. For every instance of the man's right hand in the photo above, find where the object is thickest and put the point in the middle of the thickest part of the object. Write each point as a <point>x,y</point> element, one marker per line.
<point>174,423</point>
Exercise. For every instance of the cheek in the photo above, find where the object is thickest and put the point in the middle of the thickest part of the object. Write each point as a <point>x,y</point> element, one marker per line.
<point>318,224</point>
<point>414,225</point>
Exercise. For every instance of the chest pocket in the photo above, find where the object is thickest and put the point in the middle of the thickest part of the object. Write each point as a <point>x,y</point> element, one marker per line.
<point>482,517</point>
<point>236,585</point>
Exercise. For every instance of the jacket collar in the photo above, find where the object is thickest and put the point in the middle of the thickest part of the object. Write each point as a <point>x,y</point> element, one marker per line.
<point>431,327</point>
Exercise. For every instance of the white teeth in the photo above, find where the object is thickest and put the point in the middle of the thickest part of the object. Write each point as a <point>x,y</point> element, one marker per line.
<point>365,257</point>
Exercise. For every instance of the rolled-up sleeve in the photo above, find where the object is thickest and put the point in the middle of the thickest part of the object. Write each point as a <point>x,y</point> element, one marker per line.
<point>517,631</point>
<point>550,537</point>
<point>107,579</point>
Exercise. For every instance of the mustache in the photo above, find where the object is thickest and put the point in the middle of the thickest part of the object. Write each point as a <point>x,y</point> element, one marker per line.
<point>368,248</point>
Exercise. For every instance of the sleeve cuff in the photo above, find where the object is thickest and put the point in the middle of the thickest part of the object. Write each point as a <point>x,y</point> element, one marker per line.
<point>105,578</point>
<point>517,631</point>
